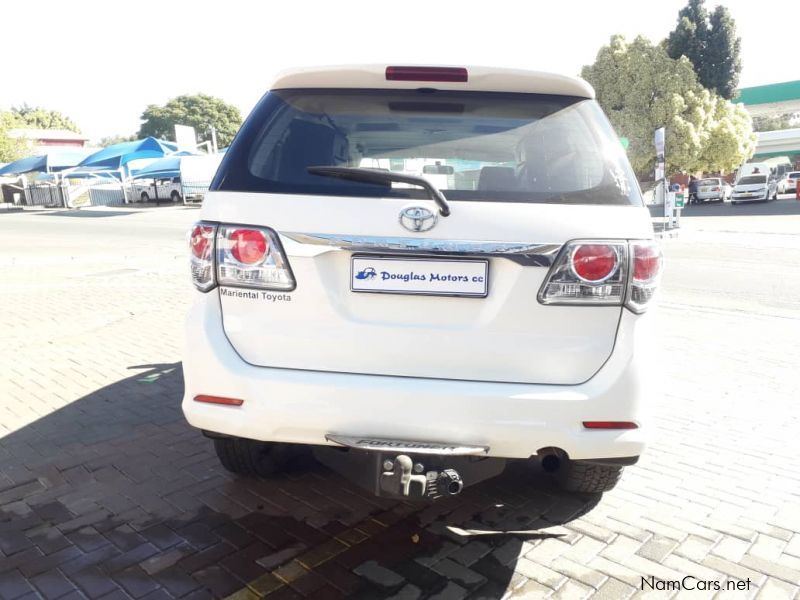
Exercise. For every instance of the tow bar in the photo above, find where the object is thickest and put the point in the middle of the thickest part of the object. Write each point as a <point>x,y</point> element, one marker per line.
<point>421,470</point>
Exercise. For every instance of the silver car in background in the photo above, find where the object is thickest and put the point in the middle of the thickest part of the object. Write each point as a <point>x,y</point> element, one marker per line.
<point>711,189</point>
<point>788,184</point>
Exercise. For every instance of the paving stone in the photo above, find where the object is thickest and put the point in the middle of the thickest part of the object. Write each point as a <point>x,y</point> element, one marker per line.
<point>657,548</point>
<point>13,585</point>
<point>614,589</point>
<point>379,575</point>
<point>453,591</point>
<point>52,584</point>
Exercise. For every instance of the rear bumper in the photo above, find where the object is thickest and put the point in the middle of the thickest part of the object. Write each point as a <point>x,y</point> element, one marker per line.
<point>759,198</point>
<point>513,420</point>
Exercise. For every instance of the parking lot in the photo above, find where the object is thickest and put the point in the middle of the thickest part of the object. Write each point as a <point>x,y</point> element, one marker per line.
<point>105,491</point>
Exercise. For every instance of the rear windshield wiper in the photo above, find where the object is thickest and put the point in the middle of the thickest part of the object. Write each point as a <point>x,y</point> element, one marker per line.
<point>384,177</point>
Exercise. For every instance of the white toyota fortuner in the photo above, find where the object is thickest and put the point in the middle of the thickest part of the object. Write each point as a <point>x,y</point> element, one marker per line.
<point>421,273</point>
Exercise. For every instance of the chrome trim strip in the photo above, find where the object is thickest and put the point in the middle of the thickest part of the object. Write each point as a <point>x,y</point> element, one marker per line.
<point>525,253</point>
<point>386,445</point>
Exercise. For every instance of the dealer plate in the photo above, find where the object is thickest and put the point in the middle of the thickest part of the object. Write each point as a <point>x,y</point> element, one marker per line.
<point>421,276</point>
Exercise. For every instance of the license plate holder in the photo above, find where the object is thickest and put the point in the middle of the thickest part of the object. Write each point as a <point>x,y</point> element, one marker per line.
<point>420,276</point>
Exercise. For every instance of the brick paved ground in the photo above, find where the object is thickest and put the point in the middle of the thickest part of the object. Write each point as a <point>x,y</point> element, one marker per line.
<point>106,492</point>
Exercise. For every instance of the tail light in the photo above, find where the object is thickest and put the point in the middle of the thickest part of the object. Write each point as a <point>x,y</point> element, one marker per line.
<point>604,273</point>
<point>646,272</point>
<point>588,272</point>
<point>240,256</point>
<point>201,242</point>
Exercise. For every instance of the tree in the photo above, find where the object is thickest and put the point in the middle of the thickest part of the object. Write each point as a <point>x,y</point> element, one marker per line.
<point>722,62</point>
<point>10,148</point>
<point>199,111</point>
<point>710,44</point>
<point>775,122</point>
<point>641,88</point>
<point>690,36</point>
<point>116,139</point>
<point>41,118</point>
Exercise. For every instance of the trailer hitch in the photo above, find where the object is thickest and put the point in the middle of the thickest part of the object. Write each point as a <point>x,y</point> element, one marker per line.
<point>404,478</point>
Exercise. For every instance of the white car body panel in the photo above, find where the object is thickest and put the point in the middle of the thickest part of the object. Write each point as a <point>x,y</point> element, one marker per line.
<point>507,336</point>
<point>514,420</point>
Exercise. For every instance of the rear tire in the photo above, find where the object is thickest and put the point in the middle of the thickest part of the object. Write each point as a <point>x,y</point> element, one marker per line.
<point>250,457</point>
<point>145,197</point>
<point>586,477</point>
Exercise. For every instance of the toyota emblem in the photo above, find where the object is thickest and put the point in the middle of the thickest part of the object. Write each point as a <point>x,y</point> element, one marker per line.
<point>417,218</point>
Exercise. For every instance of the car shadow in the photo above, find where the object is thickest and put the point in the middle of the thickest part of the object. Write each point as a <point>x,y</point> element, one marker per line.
<point>115,489</point>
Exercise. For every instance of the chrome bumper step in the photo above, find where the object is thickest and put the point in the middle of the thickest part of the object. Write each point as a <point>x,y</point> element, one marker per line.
<point>406,446</point>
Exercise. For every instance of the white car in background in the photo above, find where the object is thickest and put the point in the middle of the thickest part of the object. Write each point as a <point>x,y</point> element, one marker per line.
<point>752,188</point>
<point>416,337</point>
<point>788,184</point>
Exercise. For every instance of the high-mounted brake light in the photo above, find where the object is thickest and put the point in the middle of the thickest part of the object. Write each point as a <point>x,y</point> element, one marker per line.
<point>610,425</point>
<point>448,74</point>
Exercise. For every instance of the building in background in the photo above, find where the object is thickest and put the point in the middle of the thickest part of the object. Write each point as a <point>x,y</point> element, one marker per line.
<point>42,140</point>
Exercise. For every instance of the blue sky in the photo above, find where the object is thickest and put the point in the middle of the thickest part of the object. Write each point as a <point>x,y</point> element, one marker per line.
<point>103,67</point>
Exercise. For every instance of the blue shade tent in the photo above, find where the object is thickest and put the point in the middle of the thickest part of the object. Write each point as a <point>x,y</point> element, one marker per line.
<point>58,160</point>
<point>116,156</point>
<point>169,166</point>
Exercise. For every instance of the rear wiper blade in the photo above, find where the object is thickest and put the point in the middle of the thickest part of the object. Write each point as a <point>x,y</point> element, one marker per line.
<point>384,177</point>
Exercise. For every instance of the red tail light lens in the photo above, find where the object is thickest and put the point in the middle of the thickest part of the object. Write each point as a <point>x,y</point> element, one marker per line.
<point>248,246</point>
<point>594,262</point>
<point>610,425</point>
<point>201,260</point>
<point>646,262</point>
<point>201,240</point>
<point>449,74</point>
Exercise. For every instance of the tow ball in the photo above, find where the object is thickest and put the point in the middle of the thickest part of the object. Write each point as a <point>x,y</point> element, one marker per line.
<point>403,477</point>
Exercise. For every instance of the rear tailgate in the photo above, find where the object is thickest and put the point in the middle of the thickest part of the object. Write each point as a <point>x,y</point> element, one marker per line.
<point>506,336</point>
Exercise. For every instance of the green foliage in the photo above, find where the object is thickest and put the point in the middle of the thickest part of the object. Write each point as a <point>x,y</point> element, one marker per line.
<point>40,118</point>
<point>710,44</point>
<point>199,111</point>
<point>774,122</point>
<point>722,62</point>
<point>10,148</point>
<point>690,36</point>
<point>116,139</point>
<point>641,88</point>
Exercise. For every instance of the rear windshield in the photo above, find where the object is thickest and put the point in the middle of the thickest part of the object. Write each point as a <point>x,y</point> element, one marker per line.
<point>752,179</point>
<point>471,145</point>
<point>794,175</point>
<point>708,182</point>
